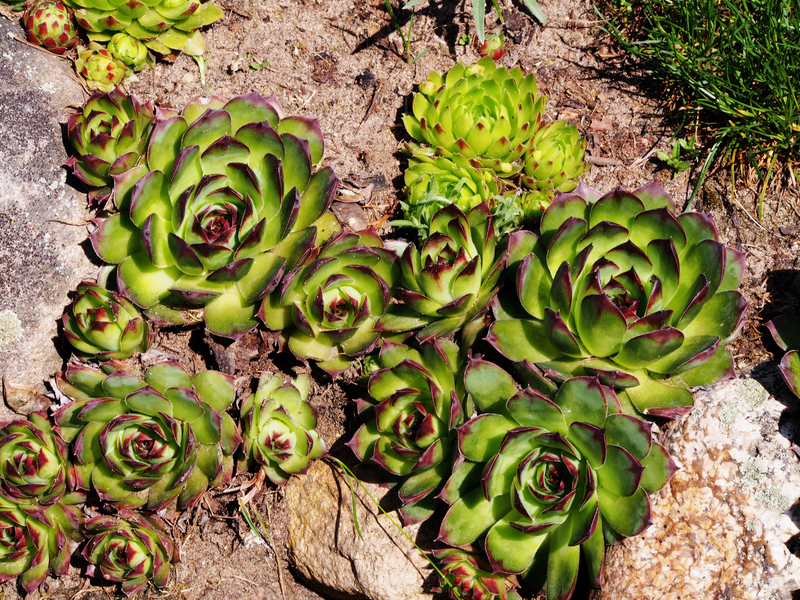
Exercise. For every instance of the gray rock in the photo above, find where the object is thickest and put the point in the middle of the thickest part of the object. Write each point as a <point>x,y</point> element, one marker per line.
<point>721,526</point>
<point>42,219</point>
<point>327,551</point>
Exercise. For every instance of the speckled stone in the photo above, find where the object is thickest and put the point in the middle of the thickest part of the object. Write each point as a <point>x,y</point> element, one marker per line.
<point>327,551</point>
<point>720,527</point>
<point>42,218</point>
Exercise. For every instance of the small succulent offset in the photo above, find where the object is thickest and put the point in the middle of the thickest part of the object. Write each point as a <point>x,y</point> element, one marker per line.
<point>146,442</point>
<point>109,136</point>
<point>482,112</point>
<point>101,324</point>
<point>165,26</point>
<point>129,50</point>
<point>492,46</point>
<point>470,577</point>
<point>413,408</point>
<point>327,310</point>
<point>785,330</point>
<point>545,481</point>
<point>129,548</point>
<point>449,284</point>
<point>36,540</point>
<point>50,24</point>
<point>224,203</point>
<point>100,70</point>
<point>278,428</point>
<point>622,287</point>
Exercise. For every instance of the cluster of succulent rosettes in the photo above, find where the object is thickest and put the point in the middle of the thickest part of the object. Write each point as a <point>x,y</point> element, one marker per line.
<point>413,407</point>
<point>225,202</point>
<point>129,548</point>
<point>50,24</point>
<point>101,71</point>
<point>542,481</point>
<point>622,287</point>
<point>101,324</point>
<point>108,137</point>
<point>469,576</point>
<point>448,285</point>
<point>278,428</point>
<point>165,26</point>
<point>36,540</point>
<point>327,309</point>
<point>144,443</point>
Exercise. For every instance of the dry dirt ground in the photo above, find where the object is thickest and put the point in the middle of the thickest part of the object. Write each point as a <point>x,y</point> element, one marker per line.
<point>341,62</point>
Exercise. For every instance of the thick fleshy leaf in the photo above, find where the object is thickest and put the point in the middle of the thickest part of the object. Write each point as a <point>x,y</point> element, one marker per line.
<point>471,517</point>
<point>629,515</point>
<point>489,385</point>
<point>510,550</point>
<point>479,438</point>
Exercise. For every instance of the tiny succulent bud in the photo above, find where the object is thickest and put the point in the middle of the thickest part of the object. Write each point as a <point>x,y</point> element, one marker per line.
<point>50,24</point>
<point>492,46</point>
<point>128,49</point>
<point>99,68</point>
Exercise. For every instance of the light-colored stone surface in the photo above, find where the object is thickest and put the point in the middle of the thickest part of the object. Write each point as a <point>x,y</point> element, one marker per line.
<point>327,551</point>
<point>721,526</point>
<point>41,217</point>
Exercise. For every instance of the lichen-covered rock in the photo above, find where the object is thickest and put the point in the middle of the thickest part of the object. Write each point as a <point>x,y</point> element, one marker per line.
<point>327,551</point>
<point>720,527</point>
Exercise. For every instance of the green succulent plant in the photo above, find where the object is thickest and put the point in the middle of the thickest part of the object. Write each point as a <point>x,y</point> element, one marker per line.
<point>129,50</point>
<point>146,442</point>
<point>50,24</point>
<point>224,203</point>
<point>482,112</point>
<point>469,576</point>
<point>410,414</point>
<point>327,309</point>
<point>36,540</point>
<point>129,548</point>
<point>34,465</point>
<point>785,330</point>
<point>278,428</point>
<point>100,70</point>
<point>109,136</point>
<point>622,287</point>
<point>543,481</point>
<point>165,26</point>
<point>103,325</point>
<point>449,283</point>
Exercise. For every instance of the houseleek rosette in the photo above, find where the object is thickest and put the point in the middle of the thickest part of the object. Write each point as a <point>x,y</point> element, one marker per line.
<point>482,112</point>
<point>542,481</point>
<point>50,24</point>
<point>109,136</point>
<point>785,330</point>
<point>413,407</point>
<point>100,70</point>
<point>129,50</point>
<point>449,283</point>
<point>163,25</point>
<point>279,428</point>
<point>34,467</point>
<point>129,548</point>
<point>622,287</point>
<point>327,309</point>
<point>146,442</point>
<point>102,324</point>
<point>225,202</point>
<point>469,576</point>
<point>36,540</point>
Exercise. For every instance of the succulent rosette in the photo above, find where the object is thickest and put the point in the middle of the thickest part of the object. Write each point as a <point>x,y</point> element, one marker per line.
<point>129,548</point>
<point>100,70</point>
<point>225,202</point>
<point>102,324</point>
<point>469,576</point>
<point>482,112</point>
<point>129,50</point>
<point>492,46</point>
<point>109,136</point>
<point>413,407</point>
<point>623,287</point>
<point>785,330</point>
<point>50,24</point>
<point>165,26</point>
<point>553,163</point>
<point>542,482</point>
<point>450,282</point>
<point>279,428</point>
<point>36,540</point>
<point>327,309</point>
<point>146,442</point>
<point>34,467</point>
